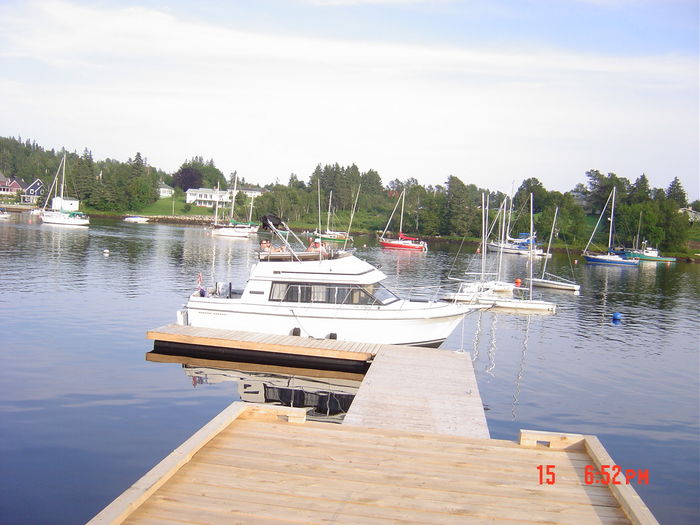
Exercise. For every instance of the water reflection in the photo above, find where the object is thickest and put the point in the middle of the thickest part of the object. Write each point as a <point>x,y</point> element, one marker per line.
<point>326,394</point>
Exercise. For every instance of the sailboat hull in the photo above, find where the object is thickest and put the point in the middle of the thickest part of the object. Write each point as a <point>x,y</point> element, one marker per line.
<point>398,244</point>
<point>610,259</point>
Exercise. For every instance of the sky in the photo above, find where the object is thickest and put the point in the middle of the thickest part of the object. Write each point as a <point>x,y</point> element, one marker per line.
<point>491,91</point>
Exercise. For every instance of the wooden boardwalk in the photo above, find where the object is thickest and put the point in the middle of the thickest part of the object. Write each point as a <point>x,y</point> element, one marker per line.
<point>257,464</point>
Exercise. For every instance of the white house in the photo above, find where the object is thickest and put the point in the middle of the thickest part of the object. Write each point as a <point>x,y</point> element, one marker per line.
<point>251,192</point>
<point>165,191</point>
<point>207,197</point>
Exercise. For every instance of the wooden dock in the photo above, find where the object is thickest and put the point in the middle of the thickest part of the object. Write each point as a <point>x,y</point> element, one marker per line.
<point>260,464</point>
<point>415,389</point>
<point>413,448</point>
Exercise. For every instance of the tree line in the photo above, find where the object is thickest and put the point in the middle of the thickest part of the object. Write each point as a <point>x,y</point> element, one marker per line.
<point>449,209</point>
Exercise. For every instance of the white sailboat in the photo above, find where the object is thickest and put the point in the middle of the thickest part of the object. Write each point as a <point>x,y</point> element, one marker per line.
<point>554,282</point>
<point>234,228</point>
<point>524,244</point>
<point>331,235</point>
<point>63,211</point>
<point>524,304</point>
<point>610,257</point>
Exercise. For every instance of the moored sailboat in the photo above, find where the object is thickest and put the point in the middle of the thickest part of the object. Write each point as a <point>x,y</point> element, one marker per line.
<point>554,282</point>
<point>610,257</point>
<point>403,242</point>
<point>63,211</point>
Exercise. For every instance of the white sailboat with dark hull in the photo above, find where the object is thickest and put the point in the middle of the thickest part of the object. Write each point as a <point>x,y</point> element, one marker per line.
<point>323,295</point>
<point>610,257</point>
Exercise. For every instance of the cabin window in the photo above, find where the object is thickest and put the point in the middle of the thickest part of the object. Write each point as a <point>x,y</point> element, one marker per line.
<point>381,294</point>
<point>320,293</point>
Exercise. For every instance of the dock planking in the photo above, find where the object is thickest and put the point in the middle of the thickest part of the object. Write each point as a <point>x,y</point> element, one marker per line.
<point>265,464</point>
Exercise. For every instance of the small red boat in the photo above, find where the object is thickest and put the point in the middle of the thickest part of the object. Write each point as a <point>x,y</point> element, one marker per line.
<point>404,243</point>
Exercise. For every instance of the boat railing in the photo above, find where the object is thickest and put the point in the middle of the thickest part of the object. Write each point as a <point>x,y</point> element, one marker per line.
<point>422,292</point>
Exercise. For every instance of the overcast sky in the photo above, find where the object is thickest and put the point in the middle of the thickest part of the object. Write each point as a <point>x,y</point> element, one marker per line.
<point>492,91</point>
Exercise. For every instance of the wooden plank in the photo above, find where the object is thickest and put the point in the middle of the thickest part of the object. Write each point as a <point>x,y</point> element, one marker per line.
<point>629,500</point>
<point>140,491</point>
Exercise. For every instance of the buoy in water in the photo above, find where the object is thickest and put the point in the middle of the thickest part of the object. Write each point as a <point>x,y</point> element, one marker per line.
<point>105,252</point>
<point>617,318</point>
<point>518,282</point>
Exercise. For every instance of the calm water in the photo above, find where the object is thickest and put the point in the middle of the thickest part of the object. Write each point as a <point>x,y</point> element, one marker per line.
<point>83,414</point>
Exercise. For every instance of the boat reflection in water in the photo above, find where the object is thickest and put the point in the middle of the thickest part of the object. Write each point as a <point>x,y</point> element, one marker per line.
<point>327,395</point>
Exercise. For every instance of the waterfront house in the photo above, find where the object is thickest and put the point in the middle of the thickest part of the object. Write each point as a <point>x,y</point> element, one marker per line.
<point>165,191</point>
<point>207,197</point>
<point>33,192</point>
<point>9,186</point>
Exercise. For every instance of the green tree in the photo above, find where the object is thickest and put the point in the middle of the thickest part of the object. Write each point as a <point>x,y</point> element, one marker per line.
<point>676,193</point>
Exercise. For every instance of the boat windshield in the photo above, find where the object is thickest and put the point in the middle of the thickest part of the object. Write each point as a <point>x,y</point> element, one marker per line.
<point>382,294</point>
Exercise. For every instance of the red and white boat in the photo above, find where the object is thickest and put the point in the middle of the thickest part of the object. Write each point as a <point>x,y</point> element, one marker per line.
<point>404,242</point>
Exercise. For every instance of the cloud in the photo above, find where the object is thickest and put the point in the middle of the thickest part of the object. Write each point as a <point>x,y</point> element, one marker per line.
<point>128,79</point>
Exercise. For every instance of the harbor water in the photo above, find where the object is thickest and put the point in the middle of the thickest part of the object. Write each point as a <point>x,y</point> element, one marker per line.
<point>83,414</point>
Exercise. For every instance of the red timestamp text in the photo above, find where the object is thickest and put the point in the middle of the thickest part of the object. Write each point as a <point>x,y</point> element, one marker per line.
<point>605,475</point>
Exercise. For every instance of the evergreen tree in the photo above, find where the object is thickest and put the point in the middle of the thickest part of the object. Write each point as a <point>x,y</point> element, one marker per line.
<point>676,193</point>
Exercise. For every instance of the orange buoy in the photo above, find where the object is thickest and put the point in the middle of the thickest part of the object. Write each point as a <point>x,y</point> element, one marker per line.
<point>518,282</point>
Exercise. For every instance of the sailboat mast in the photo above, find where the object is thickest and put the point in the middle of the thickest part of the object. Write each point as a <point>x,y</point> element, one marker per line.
<point>549,244</point>
<point>639,228</point>
<point>216,206</point>
<point>612,220</point>
<point>318,184</point>
<point>403,201</point>
<point>235,190</point>
<point>484,212</point>
<point>63,179</point>
<point>532,253</point>
<point>328,219</point>
<point>250,212</point>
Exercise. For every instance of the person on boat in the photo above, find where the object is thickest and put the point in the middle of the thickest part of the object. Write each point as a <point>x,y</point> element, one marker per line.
<point>316,246</point>
<point>265,245</point>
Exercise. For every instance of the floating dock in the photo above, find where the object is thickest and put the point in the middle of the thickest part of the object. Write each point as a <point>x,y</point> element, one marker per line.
<point>412,449</point>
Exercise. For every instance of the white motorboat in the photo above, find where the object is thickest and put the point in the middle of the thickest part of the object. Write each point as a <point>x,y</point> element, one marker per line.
<point>63,211</point>
<point>4,214</point>
<point>137,219</point>
<point>322,295</point>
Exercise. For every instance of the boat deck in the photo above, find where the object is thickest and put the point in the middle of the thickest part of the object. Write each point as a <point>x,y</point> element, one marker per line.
<point>258,464</point>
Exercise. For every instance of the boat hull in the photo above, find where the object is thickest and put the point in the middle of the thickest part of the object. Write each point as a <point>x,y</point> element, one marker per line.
<point>50,217</point>
<point>405,245</point>
<point>555,285</point>
<point>647,257</point>
<point>427,324</point>
<point>611,260</point>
